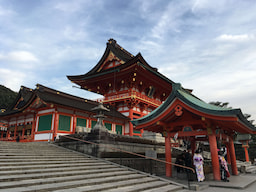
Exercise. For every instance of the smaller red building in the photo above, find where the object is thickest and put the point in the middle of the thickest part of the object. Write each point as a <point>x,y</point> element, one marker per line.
<point>43,114</point>
<point>185,116</point>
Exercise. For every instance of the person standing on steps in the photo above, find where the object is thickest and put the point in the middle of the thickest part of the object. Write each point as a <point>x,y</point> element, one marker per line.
<point>198,163</point>
<point>189,163</point>
<point>223,166</point>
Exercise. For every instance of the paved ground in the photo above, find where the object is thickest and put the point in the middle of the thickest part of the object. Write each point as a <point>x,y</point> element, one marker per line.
<point>242,182</point>
<point>245,182</point>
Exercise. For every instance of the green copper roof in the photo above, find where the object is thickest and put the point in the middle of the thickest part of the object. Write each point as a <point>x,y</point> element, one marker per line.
<point>197,103</point>
<point>189,99</point>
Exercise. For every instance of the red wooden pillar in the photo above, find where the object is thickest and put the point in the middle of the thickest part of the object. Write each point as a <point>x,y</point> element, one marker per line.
<point>246,154</point>
<point>228,154</point>
<point>90,123</point>
<point>8,134</point>
<point>23,131</point>
<point>141,132</point>
<point>33,129</point>
<point>130,124</point>
<point>246,146</point>
<point>7,131</point>
<point>193,146</point>
<point>15,130</point>
<point>55,125</point>
<point>214,153</point>
<point>74,123</point>
<point>168,156</point>
<point>232,156</point>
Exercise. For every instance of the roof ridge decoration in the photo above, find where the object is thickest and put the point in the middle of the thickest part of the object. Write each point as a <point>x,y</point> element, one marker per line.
<point>114,42</point>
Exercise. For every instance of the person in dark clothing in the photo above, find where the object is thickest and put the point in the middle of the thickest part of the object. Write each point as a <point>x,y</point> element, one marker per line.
<point>188,163</point>
<point>188,159</point>
<point>18,138</point>
<point>180,160</point>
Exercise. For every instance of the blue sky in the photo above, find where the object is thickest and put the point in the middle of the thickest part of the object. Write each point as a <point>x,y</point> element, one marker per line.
<point>207,46</point>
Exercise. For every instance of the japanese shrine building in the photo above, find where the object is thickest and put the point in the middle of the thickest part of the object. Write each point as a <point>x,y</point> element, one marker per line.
<point>127,82</point>
<point>43,114</point>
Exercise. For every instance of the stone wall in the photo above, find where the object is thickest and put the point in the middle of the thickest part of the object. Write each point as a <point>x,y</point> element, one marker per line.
<point>106,150</point>
<point>141,164</point>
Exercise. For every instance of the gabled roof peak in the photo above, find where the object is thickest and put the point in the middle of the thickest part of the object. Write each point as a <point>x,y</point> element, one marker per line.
<point>111,40</point>
<point>119,49</point>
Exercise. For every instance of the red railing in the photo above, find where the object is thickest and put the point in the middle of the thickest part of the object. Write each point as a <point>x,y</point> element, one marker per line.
<point>132,94</point>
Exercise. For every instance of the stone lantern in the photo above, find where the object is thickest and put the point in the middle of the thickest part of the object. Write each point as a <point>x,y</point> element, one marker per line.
<point>99,132</point>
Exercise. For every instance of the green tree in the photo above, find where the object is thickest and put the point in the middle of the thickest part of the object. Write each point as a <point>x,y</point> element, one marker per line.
<point>247,116</point>
<point>7,96</point>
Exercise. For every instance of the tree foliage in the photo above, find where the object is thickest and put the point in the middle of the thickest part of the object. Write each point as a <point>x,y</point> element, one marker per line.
<point>247,116</point>
<point>7,96</point>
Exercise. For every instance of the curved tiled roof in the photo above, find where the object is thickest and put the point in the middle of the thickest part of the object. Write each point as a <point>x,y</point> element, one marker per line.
<point>26,96</point>
<point>192,101</point>
<point>122,54</point>
<point>112,46</point>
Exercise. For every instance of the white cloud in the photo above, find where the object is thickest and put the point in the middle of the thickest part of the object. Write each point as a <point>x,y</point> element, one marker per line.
<point>68,6</point>
<point>19,56</point>
<point>235,38</point>
<point>74,34</point>
<point>209,5</point>
<point>168,21</point>
<point>12,79</point>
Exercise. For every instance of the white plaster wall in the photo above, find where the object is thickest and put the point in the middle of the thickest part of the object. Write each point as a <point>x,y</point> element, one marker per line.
<point>46,111</point>
<point>43,136</point>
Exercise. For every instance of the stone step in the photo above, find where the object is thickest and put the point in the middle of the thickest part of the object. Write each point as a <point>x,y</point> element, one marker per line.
<point>58,169</point>
<point>39,158</point>
<point>91,184</point>
<point>95,178</point>
<point>25,146</point>
<point>45,159</point>
<point>132,186</point>
<point>250,169</point>
<point>50,155</point>
<point>29,156</point>
<point>51,152</point>
<point>45,166</point>
<point>39,162</point>
<point>55,174</point>
<point>165,188</point>
<point>110,186</point>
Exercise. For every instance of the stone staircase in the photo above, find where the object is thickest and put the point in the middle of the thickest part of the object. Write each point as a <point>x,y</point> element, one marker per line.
<point>41,166</point>
<point>246,167</point>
